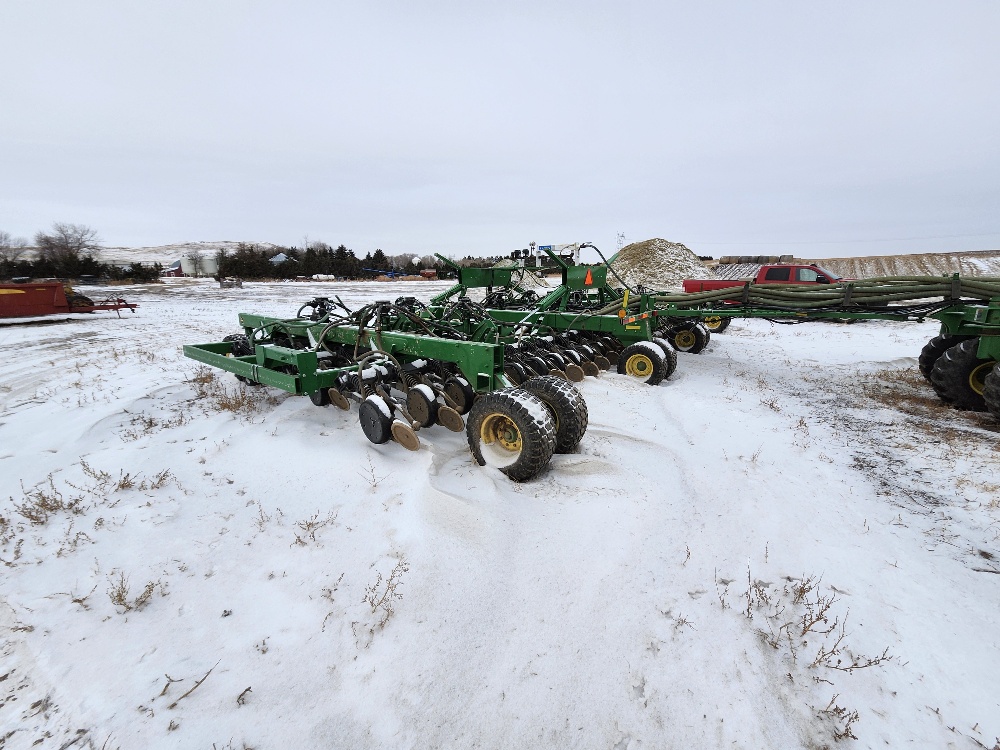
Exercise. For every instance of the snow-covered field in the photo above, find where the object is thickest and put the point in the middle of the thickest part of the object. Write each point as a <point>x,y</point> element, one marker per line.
<point>788,542</point>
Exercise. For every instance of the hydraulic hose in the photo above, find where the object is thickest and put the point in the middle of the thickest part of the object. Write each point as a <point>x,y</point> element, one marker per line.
<point>610,267</point>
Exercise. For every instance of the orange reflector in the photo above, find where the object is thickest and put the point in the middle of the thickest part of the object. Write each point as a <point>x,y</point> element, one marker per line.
<point>589,280</point>
<point>621,313</point>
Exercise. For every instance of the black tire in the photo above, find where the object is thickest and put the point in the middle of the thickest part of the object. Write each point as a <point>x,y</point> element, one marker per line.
<point>567,406</point>
<point>515,373</point>
<point>422,404</point>
<point>555,360</point>
<point>78,300</point>
<point>241,347</point>
<point>644,360</point>
<point>669,353</point>
<point>376,424</point>
<point>572,355</point>
<point>691,338</point>
<point>240,344</point>
<point>459,391</point>
<point>991,391</point>
<point>934,348</point>
<point>959,376</point>
<point>716,323</point>
<point>537,364</point>
<point>320,397</point>
<point>512,430</point>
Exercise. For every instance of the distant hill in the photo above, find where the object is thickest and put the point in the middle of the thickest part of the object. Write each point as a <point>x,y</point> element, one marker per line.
<point>167,254</point>
<point>971,263</point>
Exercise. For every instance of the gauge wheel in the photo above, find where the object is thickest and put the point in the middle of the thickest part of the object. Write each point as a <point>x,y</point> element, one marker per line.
<point>716,323</point>
<point>645,361</point>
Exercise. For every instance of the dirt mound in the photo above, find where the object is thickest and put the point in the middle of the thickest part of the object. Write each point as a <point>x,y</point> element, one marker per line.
<point>657,264</point>
<point>972,263</point>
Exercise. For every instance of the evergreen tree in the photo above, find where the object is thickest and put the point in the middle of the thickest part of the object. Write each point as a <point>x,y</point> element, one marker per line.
<point>379,261</point>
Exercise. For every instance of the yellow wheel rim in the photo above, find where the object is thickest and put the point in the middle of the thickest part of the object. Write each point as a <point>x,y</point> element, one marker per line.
<point>977,378</point>
<point>639,366</point>
<point>685,339</point>
<point>500,429</point>
<point>712,322</point>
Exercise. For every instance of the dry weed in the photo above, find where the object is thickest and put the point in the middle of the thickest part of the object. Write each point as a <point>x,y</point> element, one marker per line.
<point>239,399</point>
<point>120,591</point>
<point>383,594</point>
<point>311,525</point>
<point>799,617</point>
<point>43,500</point>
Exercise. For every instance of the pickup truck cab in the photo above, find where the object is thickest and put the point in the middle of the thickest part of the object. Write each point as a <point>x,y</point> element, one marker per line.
<point>772,274</point>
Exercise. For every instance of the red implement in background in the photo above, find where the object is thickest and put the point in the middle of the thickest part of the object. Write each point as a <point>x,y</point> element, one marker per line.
<point>50,298</point>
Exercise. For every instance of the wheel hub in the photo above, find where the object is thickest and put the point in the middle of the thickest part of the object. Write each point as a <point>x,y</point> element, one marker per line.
<point>639,366</point>
<point>685,339</point>
<point>500,429</point>
<point>977,378</point>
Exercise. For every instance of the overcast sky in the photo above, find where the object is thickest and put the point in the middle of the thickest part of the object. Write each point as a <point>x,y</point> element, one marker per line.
<point>814,128</point>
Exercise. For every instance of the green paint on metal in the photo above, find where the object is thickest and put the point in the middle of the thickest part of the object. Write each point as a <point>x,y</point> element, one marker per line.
<point>297,370</point>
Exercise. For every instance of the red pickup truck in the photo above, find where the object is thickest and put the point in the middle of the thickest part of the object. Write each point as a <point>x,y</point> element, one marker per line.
<point>778,274</point>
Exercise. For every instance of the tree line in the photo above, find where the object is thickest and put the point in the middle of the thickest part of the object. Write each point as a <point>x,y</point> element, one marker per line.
<point>72,251</point>
<point>249,261</point>
<point>68,251</point>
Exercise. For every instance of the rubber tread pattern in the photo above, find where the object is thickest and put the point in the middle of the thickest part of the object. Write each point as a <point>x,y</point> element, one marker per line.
<point>935,348</point>
<point>567,405</point>
<point>669,353</point>
<point>991,391</point>
<point>533,420</point>
<point>950,376</point>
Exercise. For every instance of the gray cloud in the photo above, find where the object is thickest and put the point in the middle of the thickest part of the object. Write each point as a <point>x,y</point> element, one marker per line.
<point>468,127</point>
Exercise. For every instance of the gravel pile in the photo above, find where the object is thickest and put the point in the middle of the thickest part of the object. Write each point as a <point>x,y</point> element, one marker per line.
<point>658,264</point>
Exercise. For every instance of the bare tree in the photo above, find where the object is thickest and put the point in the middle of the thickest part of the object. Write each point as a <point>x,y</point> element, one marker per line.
<point>11,248</point>
<point>402,262</point>
<point>197,259</point>
<point>67,245</point>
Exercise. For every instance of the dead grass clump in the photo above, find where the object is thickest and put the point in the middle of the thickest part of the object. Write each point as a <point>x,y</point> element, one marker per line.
<point>903,390</point>
<point>144,424</point>
<point>102,482</point>
<point>201,378</point>
<point>240,399</point>
<point>120,591</point>
<point>44,500</point>
<point>907,391</point>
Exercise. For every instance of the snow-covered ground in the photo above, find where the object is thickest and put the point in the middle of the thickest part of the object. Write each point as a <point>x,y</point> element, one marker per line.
<point>788,541</point>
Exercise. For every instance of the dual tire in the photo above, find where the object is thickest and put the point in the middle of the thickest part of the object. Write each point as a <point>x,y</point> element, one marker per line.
<point>959,377</point>
<point>716,323</point>
<point>647,361</point>
<point>933,350</point>
<point>518,429</point>
<point>689,337</point>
